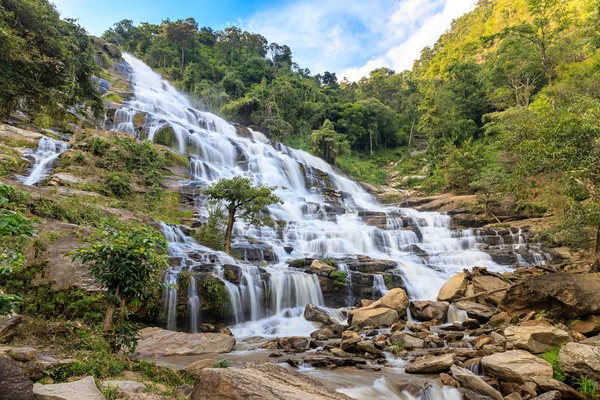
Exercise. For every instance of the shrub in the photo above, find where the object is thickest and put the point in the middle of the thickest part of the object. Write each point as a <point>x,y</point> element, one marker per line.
<point>340,278</point>
<point>165,136</point>
<point>118,184</point>
<point>98,146</point>
<point>586,386</point>
<point>552,357</point>
<point>213,291</point>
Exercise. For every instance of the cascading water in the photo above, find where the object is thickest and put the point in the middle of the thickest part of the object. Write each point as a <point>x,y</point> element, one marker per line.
<point>379,284</point>
<point>322,214</point>
<point>45,157</point>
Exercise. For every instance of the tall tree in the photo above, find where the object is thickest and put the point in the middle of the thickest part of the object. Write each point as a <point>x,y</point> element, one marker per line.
<point>182,33</point>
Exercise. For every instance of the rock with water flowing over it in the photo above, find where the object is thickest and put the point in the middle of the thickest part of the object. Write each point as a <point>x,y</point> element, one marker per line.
<point>428,310</point>
<point>567,295</point>
<point>471,381</point>
<point>82,389</point>
<point>162,342</point>
<point>260,382</point>
<point>429,364</point>
<point>580,360</point>
<point>453,289</point>
<point>535,339</point>
<point>480,312</point>
<point>516,366</point>
<point>317,314</point>
<point>14,384</point>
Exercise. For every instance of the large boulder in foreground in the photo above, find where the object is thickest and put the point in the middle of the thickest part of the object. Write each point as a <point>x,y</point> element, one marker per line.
<point>454,289</point>
<point>580,360</point>
<point>569,295</point>
<point>430,364</point>
<point>161,342</point>
<point>424,310</point>
<point>535,339</point>
<point>14,384</point>
<point>374,316</point>
<point>259,382</point>
<point>396,299</point>
<point>469,380</point>
<point>317,314</point>
<point>82,389</point>
<point>516,366</point>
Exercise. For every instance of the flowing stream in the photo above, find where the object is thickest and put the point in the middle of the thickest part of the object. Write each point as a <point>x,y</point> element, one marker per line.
<point>45,158</point>
<point>324,214</point>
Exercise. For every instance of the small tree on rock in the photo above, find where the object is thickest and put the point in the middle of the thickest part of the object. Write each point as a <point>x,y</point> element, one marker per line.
<point>242,200</point>
<point>127,260</point>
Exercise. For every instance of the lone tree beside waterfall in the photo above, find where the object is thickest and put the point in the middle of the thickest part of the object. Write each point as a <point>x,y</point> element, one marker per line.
<point>242,200</point>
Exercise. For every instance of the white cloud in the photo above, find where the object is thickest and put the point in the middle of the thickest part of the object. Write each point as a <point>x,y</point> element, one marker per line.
<point>353,37</point>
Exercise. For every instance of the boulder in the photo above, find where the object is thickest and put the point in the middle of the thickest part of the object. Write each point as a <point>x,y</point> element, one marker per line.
<point>453,289</point>
<point>196,367</point>
<point>588,326</point>
<point>469,380</point>
<point>480,312</point>
<point>349,340</point>
<point>568,295</point>
<point>82,389</point>
<point>321,266</point>
<point>373,316</point>
<point>486,283</point>
<point>260,382</point>
<point>23,354</point>
<point>162,342</point>
<point>427,310</point>
<point>535,339</point>
<point>553,395</point>
<point>580,359</point>
<point>516,366</point>
<point>7,326</point>
<point>396,299</point>
<point>430,364</point>
<point>14,384</point>
<point>125,387</point>
<point>550,384</point>
<point>317,314</point>
<point>410,342</point>
<point>369,348</point>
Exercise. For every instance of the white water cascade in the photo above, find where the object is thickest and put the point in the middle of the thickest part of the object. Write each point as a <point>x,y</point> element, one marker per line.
<point>379,284</point>
<point>45,157</point>
<point>322,216</point>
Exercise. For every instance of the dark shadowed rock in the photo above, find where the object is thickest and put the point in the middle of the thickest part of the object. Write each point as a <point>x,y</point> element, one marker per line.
<point>428,310</point>
<point>14,385</point>
<point>317,314</point>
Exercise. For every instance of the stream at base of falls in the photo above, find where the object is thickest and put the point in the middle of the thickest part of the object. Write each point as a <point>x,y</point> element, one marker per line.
<point>324,215</point>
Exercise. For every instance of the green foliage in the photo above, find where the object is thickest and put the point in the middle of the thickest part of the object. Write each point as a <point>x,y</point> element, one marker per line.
<point>300,263</point>
<point>118,184</point>
<point>388,280</point>
<point>47,63</point>
<point>211,233</point>
<point>213,291</point>
<point>340,278</point>
<point>552,357</point>
<point>9,303</point>
<point>98,146</point>
<point>242,200</point>
<point>165,136</point>
<point>587,387</point>
<point>224,363</point>
<point>362,170</point>
<point>397,346</point>
<point>327,143</point>
<point>127,260</point>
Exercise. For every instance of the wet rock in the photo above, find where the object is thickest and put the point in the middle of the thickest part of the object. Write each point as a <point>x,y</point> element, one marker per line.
<point>448,380</point>
<point>162,342</point>
<point>480,312</point>
<point>369,348</point>
<point>550,384</point>
<point>454,289</point>
<point>471,381</point>
<point>374,218</point>
<point>370,266</point>
<point>468,394</point>
<point>470,323</point>
<point>14,384</point>
<point>260,382</point>
<point>409,342</point>
<point>295,344</point>
<point>368,367</point>
<point>535,339</point>
<point>321,266</point>
<point>516,366</point>
<point>430,364</point>
<point>588,326</point>
<point>569,295</point>
<point>367,316</point>
<point>451,336</point>
<point>349,340</point>
<point>429,310</point>
<point>82,389</point>
<point>580,360</point>
<point>317,314</point>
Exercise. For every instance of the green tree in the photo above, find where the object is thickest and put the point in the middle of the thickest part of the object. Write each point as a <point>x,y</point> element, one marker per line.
<point>327,143</point>
<point>127,259</point>
<point>182,33</point>
<point>242,200</point>
<point>15,230</point>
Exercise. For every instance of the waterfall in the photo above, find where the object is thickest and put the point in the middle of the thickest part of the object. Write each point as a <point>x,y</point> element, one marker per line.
<point>45,157</point>
<point>379,284</point>
<point>455,314</point>
<point>324,214</point>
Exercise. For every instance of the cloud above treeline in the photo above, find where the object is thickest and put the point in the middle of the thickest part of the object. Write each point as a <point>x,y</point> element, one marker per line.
<point>353,37</point>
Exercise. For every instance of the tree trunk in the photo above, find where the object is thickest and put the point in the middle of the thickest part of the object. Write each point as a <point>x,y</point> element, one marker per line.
<point>597,243</point>
<point>371,142</point>
<point>228,230</point>
<point>108,319</point>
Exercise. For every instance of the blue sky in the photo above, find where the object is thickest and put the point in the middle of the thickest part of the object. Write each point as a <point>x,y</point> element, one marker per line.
<point>349,37</point>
